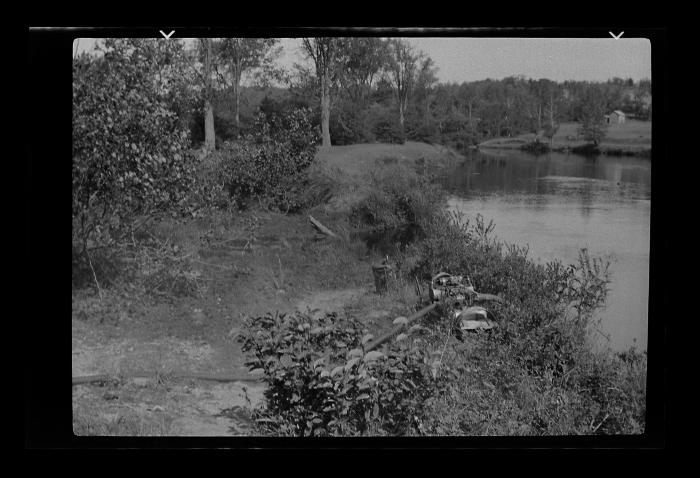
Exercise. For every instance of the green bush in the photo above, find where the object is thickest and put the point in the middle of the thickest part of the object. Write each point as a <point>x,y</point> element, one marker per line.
<point>535,147</point>
<point>398,197</point>
<point>386,129</point>
<point>130,148</point>
<point>349,124</point>
<point>322,383</point>
<point>549,306</point>
<point>555,384</point>
<point>419,129</point>
<point>271,165</point>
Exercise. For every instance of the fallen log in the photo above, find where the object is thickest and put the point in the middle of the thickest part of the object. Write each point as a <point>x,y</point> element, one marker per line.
<point>380,340</point>
<point>482,296</point>
<point>321,228</point>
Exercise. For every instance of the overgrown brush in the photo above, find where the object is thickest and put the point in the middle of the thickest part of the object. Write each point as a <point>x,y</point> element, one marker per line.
<point>269,165</point>
<point>321,382</point>
<point>544,328</point>
<point>130,150</point>
<point>398,198</point>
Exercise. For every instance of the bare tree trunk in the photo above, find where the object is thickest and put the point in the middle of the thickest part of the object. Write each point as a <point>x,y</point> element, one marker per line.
<point>237,93</point>
<point>551,119</point>
<point>209,135</point>
<point>401,113</point>
<point>551,111</point>
<point>325,111</point>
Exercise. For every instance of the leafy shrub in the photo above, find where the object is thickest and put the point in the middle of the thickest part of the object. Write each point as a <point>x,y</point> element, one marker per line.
<point>535,373</point>
<point>350,125</point>
<point>544,335</point>
<point>419,129</point>
<point>386,129</point>
<point>270,165</point>
<point>321,382</point>
<point>588,149</point>
<point>535,147</point>
<point>614,392</point>
<point>130,149</point>
<point>398,197</point>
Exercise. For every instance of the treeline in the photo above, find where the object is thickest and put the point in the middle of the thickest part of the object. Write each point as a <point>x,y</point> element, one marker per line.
<point>375,89</point>
<point>387,91</point>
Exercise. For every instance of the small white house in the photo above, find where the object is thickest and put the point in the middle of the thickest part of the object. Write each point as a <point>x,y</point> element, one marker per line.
<point>616,117</point>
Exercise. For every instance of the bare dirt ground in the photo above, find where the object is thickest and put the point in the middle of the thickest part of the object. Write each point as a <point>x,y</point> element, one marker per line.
<point>155,403</point>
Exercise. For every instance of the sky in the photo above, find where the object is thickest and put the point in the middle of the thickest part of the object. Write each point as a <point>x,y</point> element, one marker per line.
<point>558,59</point>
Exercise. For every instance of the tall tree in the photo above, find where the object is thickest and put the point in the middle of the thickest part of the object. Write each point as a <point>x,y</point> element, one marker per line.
<point>591,114</point>
<point>363,60</point>
<point>326,54</point>
<point>403,65</point>
<point>207,52</point>
<point>242,55</point>
<point>426,79</point>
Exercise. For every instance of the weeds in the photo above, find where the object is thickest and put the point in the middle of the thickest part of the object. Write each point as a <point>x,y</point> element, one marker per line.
<point>399,197</point>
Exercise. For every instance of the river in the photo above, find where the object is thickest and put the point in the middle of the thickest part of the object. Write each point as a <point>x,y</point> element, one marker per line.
<point>559,203</point>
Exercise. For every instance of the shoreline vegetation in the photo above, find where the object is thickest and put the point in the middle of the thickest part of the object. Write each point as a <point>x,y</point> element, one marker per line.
<point>632,138</point>
<point>258,256</point>
<point>535,374</point>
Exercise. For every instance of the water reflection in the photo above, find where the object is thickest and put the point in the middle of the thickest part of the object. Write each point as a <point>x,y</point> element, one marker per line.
<point>560,203</point>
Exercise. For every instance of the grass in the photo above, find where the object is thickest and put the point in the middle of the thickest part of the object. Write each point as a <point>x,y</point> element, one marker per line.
<point>87,421</point>
<point>631,137</point>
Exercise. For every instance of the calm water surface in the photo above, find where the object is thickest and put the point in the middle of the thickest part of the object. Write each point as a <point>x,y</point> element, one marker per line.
<point>558,204</point>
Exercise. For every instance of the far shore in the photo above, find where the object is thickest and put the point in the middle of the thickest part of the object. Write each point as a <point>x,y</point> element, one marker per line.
<point>632,138</point>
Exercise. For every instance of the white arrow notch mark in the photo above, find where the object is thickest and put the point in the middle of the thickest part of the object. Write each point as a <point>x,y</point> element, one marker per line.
<point>616,37</point>
<point>168,35</point>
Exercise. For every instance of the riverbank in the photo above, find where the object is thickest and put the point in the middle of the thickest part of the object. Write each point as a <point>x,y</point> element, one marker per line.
<point>256,262</point>
<point>632,138</point>
<point>246,264</point>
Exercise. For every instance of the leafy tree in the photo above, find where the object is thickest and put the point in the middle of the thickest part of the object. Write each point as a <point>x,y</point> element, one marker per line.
<point>591,115</point>
<point>363,61</point>
<point>403,66</point>
<point>241,55</point>
<point>130,149</point>
<point>425,87</point>
<point>326,53</point>
<point>207,53</point>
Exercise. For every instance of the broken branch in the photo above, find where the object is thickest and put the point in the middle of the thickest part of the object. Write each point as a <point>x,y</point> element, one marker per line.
<point>321,228</point>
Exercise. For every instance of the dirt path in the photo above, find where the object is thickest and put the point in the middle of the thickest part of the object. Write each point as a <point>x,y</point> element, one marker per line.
<point>158,405</point>
<point>329,300</point>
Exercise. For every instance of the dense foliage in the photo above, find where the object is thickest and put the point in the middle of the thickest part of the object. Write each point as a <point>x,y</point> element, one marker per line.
<point>269,165</point>
<point>321,381</point>
<point>532,375</point>
<point>130,147</point>
<point>398,197</point>
<point>461,115</point>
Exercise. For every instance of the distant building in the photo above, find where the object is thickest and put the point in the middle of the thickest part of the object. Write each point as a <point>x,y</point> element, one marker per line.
<point>616,117</point>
